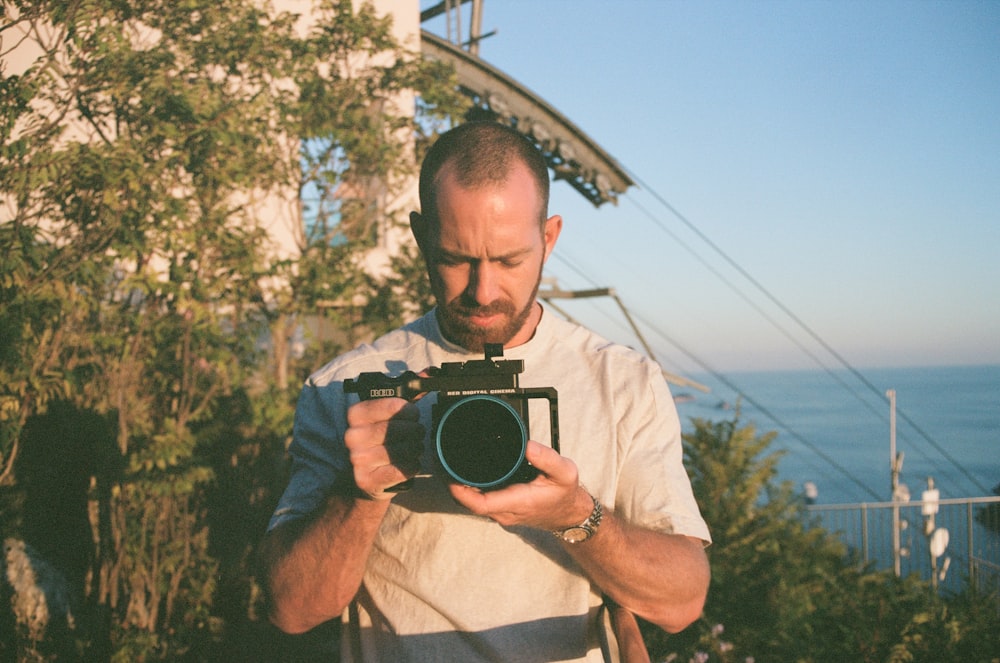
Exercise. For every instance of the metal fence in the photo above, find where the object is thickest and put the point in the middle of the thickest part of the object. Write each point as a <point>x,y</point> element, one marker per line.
<point>948,542</point>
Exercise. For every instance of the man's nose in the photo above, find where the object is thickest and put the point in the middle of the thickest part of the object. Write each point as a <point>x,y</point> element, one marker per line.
<point>483,283</point>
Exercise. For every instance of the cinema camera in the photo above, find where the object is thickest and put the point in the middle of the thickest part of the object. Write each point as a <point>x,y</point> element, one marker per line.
<point>480,420</point>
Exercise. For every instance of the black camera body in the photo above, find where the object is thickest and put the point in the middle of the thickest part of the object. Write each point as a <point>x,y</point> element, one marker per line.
<point>480,421</point>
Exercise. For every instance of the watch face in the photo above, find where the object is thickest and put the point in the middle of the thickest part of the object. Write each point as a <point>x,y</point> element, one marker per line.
<point>576,534</point>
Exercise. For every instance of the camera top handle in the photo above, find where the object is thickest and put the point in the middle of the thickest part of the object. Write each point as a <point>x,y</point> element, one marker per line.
<point>452,378</point>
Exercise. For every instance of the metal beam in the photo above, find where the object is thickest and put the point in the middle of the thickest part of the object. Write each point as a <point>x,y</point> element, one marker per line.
<point>571,154</point>
<point>554,292</point>
<point>439,8</point>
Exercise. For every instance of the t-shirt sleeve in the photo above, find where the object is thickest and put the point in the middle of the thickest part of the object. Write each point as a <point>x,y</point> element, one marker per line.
<point>319,460</point>
<point>654,489</point>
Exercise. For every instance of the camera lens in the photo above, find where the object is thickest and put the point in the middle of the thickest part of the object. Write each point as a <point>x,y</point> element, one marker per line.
<point>481,441</point>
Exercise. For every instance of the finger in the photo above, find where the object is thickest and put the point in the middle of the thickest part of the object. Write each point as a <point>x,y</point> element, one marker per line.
<point>380,466</point>
<point>379,482</point>
<point>541,502</point>
<point>424,373</point>
<point>381,409</point>
<point>473,499</point>
<point>509,499</point>
<point>550,463</point>
<point>406,447</point>
<point>375,433</point>
<point>384,454</point>
<point>512,505</point>
<point>377,436</point>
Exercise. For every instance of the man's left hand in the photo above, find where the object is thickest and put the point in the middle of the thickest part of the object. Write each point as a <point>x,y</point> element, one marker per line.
<point>553,500</point>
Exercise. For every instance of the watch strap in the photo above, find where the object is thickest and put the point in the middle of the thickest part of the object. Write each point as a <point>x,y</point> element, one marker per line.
<point>586,529</point>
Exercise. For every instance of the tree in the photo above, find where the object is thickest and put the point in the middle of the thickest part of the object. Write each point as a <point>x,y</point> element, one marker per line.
<point>785,589</point>
<point>768,568</point>
<point>138,277</point>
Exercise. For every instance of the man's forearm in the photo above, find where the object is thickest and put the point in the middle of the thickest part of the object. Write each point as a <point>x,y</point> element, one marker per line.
<point>314,568</point>
<point>660,577</point>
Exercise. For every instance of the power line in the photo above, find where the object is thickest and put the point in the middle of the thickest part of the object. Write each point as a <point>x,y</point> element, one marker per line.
<point>879,413</point>
<point>802,325</point>
<point>749,399</point>
<point>732,286</point>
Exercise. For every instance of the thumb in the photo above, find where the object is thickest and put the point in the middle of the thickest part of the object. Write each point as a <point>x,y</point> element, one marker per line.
<point>548,461</point>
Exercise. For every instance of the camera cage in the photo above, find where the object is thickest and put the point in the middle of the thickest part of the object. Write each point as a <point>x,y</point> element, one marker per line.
<point>455,382</point>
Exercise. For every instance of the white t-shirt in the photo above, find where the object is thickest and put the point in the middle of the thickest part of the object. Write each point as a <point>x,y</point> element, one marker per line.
<point>444,585</point>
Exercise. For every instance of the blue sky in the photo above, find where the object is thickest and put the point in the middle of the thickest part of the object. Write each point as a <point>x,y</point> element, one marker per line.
<point>844,155</point>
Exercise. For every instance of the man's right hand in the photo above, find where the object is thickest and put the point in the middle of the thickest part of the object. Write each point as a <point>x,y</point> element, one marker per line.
<point>313,566</point>
<point>385,440</point>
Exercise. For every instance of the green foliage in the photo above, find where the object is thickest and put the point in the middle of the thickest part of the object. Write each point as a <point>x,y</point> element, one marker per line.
<point>962,628</point>
<point>138,282</point>
<point>784,589</point>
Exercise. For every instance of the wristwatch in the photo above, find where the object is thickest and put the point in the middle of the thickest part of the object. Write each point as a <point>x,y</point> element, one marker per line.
<point>586,529</point>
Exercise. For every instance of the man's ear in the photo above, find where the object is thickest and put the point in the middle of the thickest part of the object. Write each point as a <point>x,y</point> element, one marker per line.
<point>553,226</point>
<point>418,226</point>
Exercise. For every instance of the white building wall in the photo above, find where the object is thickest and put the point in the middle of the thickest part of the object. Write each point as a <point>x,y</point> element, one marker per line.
<point>283,214</point>
<point>280,213</point>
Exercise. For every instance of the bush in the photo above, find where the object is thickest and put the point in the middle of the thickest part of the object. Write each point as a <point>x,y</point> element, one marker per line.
<point>784,589</point>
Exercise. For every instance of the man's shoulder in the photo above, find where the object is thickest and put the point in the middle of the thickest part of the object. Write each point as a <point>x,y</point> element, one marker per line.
<point>576,338</point>
<point>387,354</point>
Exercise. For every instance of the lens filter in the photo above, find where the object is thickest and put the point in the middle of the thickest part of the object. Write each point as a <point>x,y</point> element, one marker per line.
<point>481,441</point>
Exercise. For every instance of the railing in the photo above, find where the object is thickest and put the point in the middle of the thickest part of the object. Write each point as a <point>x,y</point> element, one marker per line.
<point>972,551</point>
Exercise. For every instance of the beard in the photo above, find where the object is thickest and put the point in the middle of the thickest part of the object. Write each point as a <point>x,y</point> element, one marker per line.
<point>455,320</point>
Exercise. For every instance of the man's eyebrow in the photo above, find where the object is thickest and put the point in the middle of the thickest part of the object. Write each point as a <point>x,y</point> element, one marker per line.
<point>510,255</point>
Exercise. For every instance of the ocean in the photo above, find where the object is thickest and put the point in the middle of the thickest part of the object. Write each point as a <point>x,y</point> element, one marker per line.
<point>834,426</point>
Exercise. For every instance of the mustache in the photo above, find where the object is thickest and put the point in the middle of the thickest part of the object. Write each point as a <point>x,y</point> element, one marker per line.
<point>499,306</point>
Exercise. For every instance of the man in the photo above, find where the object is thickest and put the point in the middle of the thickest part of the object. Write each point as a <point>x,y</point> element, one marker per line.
<point>449,572</point>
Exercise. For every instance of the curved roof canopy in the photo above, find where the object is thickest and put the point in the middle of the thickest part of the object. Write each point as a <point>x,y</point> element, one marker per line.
<point>571,154</point>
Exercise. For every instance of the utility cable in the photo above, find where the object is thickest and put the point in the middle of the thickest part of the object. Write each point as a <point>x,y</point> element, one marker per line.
<point>879,413</point>
<point>742,295</point>
<point>798,321</point>
<point>749,399</point>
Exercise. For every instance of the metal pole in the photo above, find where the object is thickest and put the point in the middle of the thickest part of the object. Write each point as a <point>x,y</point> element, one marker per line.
<point>968,527</point>
<point>476,27</point>
<point>894,469</point>
<point>892,440</point>
<point>929,509</point>
<point>864,530</point>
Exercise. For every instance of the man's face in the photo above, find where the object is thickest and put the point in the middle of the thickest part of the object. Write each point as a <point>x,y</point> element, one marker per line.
<point>485,252</point>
